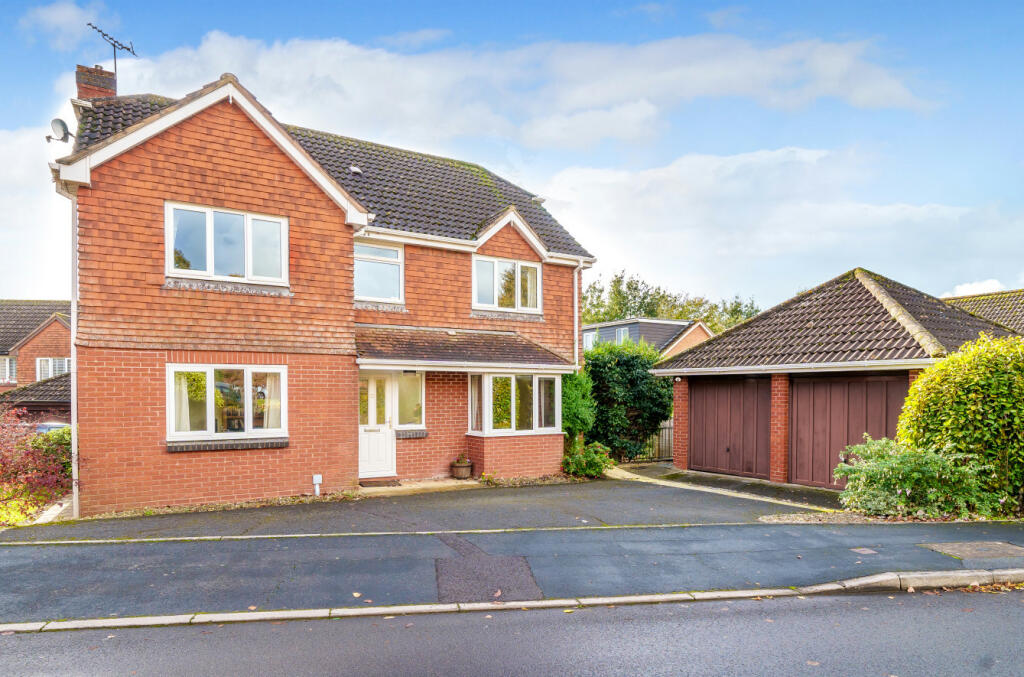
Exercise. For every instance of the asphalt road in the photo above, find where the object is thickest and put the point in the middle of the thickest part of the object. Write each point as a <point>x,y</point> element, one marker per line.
<point>902,634</point>
<point>45,582</point>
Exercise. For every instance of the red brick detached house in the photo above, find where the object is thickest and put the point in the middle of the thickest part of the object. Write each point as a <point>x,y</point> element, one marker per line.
<point>258,307</point>
<point>35,341</point>
<point>781,395</point>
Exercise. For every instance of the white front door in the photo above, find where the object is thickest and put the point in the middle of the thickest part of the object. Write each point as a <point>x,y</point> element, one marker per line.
<point>376,434</point>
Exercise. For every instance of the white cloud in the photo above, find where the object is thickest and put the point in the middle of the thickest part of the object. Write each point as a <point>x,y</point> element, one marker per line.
<point>977,287</point>
<point>769,222</point>
<point>62,22</point>
<point>563,95</point>
<point>726,17</point>
<point>415,39</point>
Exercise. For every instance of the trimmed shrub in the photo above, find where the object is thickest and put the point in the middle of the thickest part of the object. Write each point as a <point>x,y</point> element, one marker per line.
<point>972,402</point>
<point>631,402</point>
<point>884,477</point>
<point>587,461</point>
<point>577,405</point>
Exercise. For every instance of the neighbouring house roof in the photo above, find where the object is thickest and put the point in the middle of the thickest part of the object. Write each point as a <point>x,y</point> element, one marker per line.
<point>405,190</point>
<point>18,319</point>
<point>50,391</point>
<point>858,317</point>
<point>1004,307</point>
<point>452,346</point>
<point>658,332</point>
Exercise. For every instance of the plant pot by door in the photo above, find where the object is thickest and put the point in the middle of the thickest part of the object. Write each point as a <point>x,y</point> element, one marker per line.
<point>462,470</point>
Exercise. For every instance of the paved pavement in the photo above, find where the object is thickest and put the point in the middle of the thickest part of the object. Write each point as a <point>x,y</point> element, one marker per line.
<point>565,505</point>
<point>902,634</point>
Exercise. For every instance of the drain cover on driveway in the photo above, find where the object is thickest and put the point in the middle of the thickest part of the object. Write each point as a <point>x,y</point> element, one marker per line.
<point>977,549</point>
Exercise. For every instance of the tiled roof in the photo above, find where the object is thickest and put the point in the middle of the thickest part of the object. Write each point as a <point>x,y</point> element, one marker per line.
<point>857,317</point>
<point>56,389</point>
<point>451,345</point>
<point>1004,307</point>
<point>405,190</point>
<point>18,319</point>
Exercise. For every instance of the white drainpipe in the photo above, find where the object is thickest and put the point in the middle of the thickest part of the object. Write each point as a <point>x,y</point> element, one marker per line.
<point>74,358</point>
<point>576,282</point>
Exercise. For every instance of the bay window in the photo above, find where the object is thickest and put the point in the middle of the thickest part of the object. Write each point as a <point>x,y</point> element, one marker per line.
<point>507,404</point>
<point>378,273</point>
<point>223,244</point>
<point>500,284</point>
<point>211,402</point>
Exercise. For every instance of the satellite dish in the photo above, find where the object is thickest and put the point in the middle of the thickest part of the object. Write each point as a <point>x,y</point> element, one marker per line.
<point>60,131</point>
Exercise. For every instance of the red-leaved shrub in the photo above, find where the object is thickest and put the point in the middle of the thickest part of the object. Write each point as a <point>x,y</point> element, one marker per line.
<point>31,463</point>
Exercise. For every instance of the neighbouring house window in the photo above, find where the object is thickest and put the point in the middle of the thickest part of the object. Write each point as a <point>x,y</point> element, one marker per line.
<point>378,273</point>
<point>510,404</point>
<point>224,244</point>
<point>8,370</point>
<point>476,402</point>
<point>589,338</point>
<point>224,402</point>
<point>506,285</point>
<point>48,367</point>
<point>621,334</point>
<point>410,399</point>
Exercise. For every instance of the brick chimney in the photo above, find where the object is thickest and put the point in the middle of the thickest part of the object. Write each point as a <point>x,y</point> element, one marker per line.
<point>95,82</point>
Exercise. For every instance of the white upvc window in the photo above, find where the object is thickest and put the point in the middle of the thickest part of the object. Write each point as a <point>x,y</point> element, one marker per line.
<point>379,273</point>
<point>224,244</point>
<point>621,334</point>
<point>8,370</point>
<point>504,284</point>
<point>515,404</point>
<point>228,401</point>
<point>47,367</point>
<point>589,338</point>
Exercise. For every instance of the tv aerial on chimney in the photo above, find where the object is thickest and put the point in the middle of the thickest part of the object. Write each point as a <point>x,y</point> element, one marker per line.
<point>113,42</point>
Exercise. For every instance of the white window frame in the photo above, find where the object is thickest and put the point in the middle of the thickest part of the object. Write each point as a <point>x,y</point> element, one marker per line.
<point>207,274</point>
<point>519,266</point>
<point>400,262</point>
<point>51,362</point>
<point>8,369</point>
<point>422,425</point>
<point>208,434</point>
<point>592,336</point>
<point>488,409</point>
<point>621,335</point>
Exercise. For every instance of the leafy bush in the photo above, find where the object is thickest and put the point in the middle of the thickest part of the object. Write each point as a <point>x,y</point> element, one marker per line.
<point>32,467</point>
<point>972,402</point>
<point>577,405</point>
<point>587,461</point>
<point>884,477</point>
<point>54,448</point>
<point>631,402</point>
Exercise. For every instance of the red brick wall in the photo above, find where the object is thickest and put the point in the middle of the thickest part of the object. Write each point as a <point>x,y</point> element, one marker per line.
<point>439,293</point>
<point>447,419</point>
<point>913,374</point>
<point>53,341</point>
<point>216,158</point>
<point>779,429</point>
<point>517,456</point>
<point>123,422</point>
<point>696,335</point>
<point>681,423</point>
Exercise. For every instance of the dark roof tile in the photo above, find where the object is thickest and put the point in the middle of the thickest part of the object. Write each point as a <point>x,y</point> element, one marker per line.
<point>18,319</point>
<point>450,345</point>
<point>1004,307</point>
<point>55,389</point>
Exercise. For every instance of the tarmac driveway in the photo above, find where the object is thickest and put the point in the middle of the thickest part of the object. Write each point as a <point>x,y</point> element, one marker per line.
<point>602,502</point>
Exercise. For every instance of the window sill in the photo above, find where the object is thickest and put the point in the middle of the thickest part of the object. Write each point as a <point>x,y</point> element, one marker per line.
<point>515,433</point>
<point>410,433</point>
<point>382,306</point>
<point>227,287</point>
<point>515,315</point>
<point>228,445</point>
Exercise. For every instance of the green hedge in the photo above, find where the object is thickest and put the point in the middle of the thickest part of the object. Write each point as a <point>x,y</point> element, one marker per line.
<point>589,461</point>
<point>972,403</point>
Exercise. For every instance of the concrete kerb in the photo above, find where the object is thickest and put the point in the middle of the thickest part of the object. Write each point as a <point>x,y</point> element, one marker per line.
<point>889,581</point>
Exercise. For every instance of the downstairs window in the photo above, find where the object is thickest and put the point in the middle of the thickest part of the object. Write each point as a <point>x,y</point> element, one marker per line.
<point>514,403</point>
<point>213,402</point>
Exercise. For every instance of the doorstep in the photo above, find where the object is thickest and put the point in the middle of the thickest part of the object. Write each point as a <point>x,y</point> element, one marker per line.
<point>405,487</point>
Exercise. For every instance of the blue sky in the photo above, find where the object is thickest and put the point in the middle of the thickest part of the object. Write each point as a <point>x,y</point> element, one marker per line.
<point>719,149</point>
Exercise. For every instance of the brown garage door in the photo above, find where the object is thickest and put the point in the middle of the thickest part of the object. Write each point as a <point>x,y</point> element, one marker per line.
<point>829,413</point>
<point>729,425</point>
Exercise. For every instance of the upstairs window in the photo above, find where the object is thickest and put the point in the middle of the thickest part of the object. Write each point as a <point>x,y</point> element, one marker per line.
<point>221,244</point>
<point>48,367</point>
<point>500,284</point>
<point>379,273</point>
<point>8,370</point>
